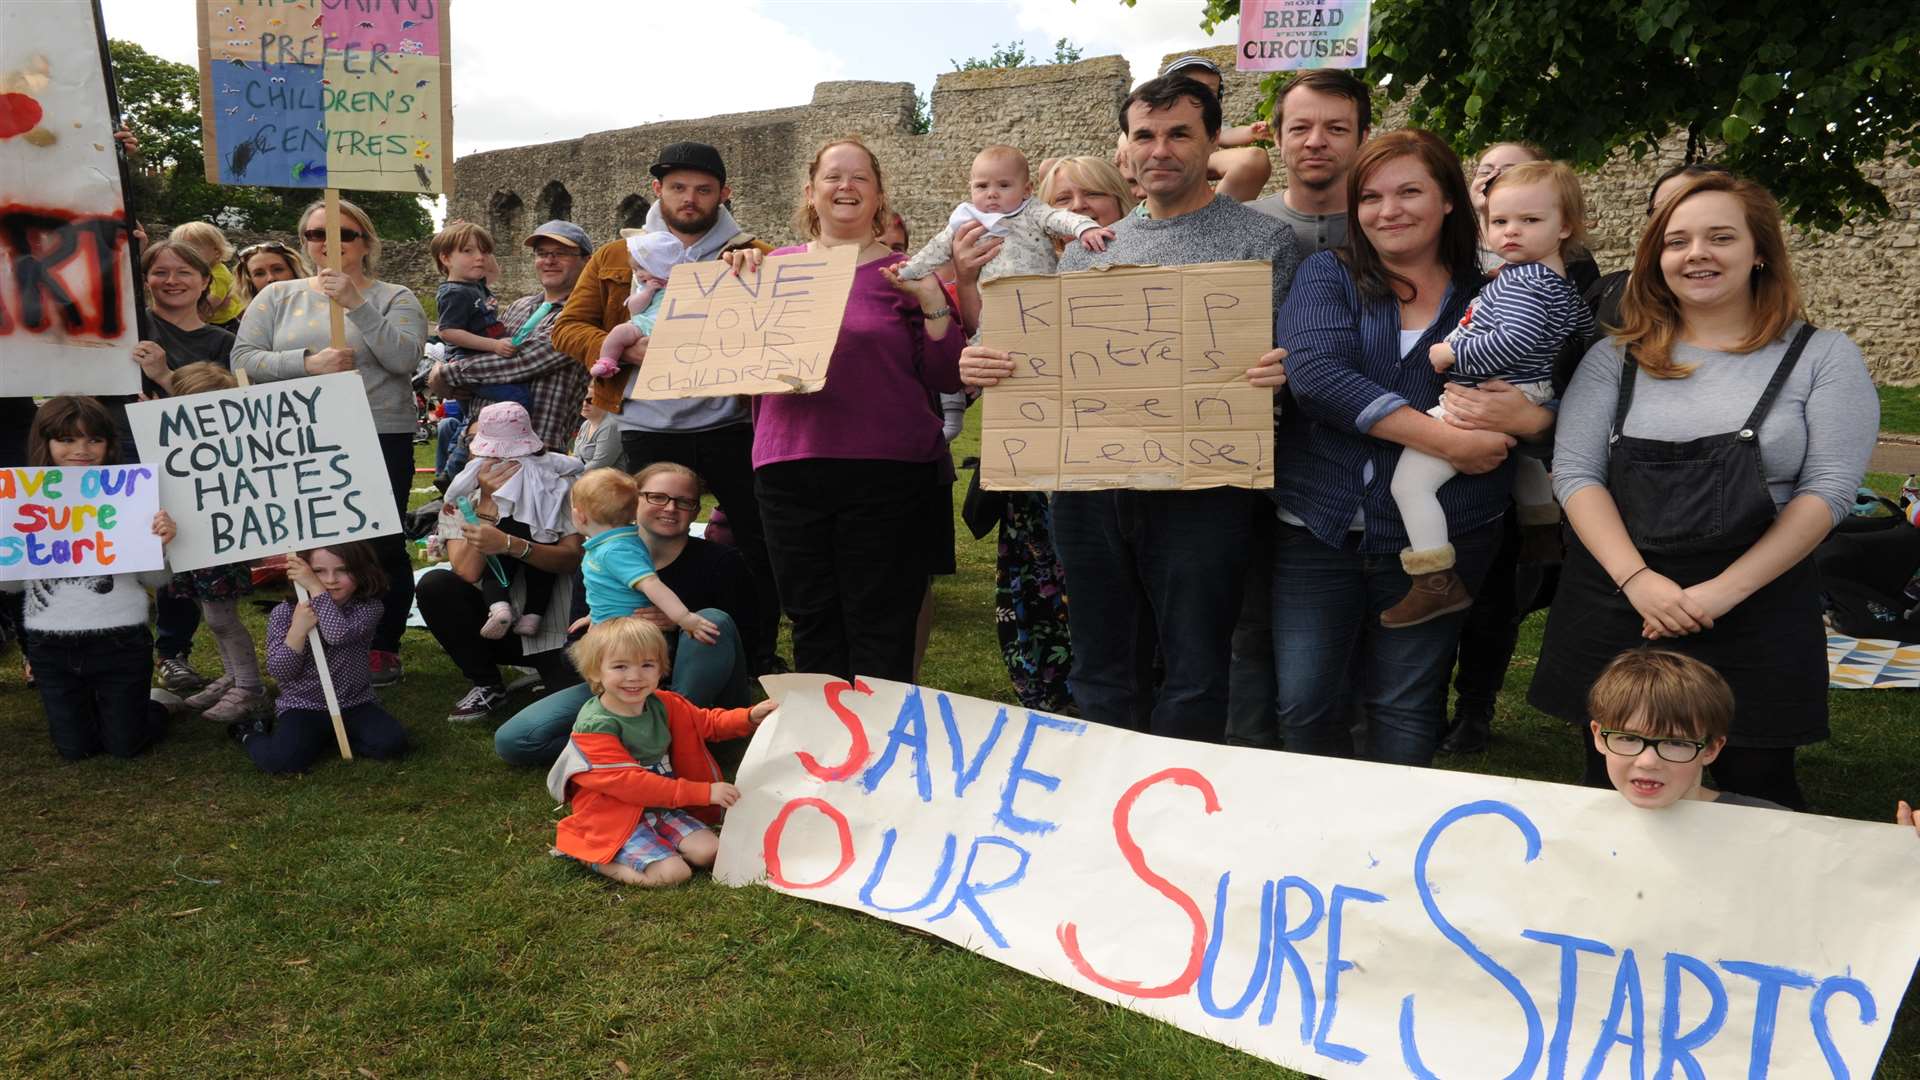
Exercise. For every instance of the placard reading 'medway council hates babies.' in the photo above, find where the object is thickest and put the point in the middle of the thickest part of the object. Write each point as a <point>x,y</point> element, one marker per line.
<point>266,469</point>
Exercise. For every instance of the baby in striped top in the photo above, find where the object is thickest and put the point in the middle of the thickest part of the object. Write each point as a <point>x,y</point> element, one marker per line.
<point>1512,332</point>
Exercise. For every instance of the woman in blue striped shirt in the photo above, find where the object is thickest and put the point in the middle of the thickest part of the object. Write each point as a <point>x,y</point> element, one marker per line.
<point>1357,327</point>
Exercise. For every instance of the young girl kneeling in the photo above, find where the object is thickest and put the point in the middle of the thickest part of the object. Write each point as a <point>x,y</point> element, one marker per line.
<point>646,825</point>
<point>345,586</point>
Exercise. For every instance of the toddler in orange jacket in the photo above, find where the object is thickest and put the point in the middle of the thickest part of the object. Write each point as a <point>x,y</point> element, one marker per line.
<point>636,771</point>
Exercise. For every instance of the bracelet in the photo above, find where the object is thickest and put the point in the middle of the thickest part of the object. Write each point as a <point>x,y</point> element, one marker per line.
<point>525,550</point>
<point>1622,587</point>
<point>938,313</point>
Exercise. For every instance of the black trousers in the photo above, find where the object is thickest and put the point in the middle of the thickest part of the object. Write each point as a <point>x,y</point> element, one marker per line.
<point>848,544</point>
<point>454,609</point>
<point>301,737</point>
<point>94,690</point>
<point>397,450</point>
<point>724,459</point>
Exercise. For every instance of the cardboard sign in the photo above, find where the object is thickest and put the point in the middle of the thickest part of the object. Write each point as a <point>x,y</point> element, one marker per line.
<point>1339,917</point>
<point>266,469</point>
<point>768,332</point>
<point>306,94</point>
<point>1129,377</point>
<point>1287,35</point>
<point>59,522</point>
<point>66,281</point>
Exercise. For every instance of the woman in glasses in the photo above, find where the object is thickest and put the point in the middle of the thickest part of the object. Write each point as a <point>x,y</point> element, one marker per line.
<point>284,335</point>
<point>262,264</point>
<point>710,579</point>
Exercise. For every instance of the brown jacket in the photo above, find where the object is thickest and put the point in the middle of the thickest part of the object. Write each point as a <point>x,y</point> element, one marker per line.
<point>598,303</point>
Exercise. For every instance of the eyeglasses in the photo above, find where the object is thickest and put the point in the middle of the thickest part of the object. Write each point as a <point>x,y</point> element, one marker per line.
<point>661,498</point>
<point>319,236</point>
<point>553,253</point>
<point>1627,744</point>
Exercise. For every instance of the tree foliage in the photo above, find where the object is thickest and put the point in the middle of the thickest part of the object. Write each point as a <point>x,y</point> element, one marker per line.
<point>1797,96</point>
<point>1014,54</point>
<point>160,103</point>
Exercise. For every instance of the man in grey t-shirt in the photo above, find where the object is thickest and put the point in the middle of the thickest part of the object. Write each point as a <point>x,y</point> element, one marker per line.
<point>1320,118</point>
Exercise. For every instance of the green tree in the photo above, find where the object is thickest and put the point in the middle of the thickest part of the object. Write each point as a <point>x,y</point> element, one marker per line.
<point>1014,54</point>
<point>160,103</point>
<point>1797,96</point>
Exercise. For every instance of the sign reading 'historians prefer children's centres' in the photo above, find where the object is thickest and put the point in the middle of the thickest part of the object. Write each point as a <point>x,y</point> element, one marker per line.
<point>312,94</point>
<point>1339,917</point>
<point>266,469</point>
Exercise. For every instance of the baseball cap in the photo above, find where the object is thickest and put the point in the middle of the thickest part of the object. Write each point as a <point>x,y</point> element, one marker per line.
<point>690,155</point>
<point>1186,62</point>
<point>566,232</point>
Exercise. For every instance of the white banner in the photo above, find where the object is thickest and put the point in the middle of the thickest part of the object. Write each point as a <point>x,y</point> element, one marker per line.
<point>266,469</point>
<point>1340,917</point>
<point>66,281</point>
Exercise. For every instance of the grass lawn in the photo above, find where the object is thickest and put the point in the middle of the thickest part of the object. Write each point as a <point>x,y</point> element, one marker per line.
<point>183,915</point>
<point>1900,409</point>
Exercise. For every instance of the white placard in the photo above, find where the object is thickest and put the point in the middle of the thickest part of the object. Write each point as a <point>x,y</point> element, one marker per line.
<point>61,522</point>
<point>66,281</point>
<point>266,469</point>
<point>1340,917</point>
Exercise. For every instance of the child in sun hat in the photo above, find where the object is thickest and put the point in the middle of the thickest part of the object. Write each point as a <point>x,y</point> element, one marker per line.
<point>532,506</point>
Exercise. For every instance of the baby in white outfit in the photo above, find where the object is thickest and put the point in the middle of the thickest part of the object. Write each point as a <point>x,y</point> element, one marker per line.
<point>1002,200</point>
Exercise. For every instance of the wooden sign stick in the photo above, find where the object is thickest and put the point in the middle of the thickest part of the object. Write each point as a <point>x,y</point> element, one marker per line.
<point>336,315</point>
<point>313,636</point>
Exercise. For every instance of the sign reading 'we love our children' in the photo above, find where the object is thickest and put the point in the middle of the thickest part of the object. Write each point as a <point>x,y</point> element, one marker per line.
<point>1339,917</point>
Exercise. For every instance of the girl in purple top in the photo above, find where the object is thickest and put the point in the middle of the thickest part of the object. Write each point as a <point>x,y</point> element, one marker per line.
<point>845,475</point>
<point>345,586</point>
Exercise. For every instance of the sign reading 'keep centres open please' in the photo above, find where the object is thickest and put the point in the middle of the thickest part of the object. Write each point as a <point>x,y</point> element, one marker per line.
<point>1129,377</point>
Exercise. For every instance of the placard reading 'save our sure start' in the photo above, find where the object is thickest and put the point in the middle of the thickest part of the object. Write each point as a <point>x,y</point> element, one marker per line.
<point>266,469</point>
<point>60,522</point>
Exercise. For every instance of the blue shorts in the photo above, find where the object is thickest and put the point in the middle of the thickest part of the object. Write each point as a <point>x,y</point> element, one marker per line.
<point>659,835</point>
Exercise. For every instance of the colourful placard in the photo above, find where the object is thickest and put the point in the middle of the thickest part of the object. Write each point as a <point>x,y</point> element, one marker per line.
<point>1286,35</point>
<point>66,282</point>
<point>307,94</point>
<point>1342,918</point>
<point>59,522</point>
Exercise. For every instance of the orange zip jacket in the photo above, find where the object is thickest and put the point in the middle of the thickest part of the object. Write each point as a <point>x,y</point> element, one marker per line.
<point>608,789</point>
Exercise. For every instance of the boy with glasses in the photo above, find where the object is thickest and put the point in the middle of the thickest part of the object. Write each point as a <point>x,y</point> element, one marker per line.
<point>1659,719</point>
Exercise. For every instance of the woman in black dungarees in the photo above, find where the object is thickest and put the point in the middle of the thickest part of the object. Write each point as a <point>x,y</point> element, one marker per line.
<point>1704,450</point>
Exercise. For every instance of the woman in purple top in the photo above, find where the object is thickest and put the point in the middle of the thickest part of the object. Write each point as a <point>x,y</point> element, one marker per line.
<point>844,475</point>
<point>345,590</point>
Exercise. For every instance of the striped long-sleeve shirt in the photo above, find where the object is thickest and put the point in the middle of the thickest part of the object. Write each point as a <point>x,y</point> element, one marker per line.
<point>1346,371</point>
<point>346,631</point>
<point>1517,326</point>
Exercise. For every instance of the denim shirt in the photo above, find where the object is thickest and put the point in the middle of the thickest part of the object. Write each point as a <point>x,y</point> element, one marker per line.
<point>1345,371</point>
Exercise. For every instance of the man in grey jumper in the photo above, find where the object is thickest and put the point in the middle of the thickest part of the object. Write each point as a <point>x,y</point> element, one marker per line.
<point>1175,558</point>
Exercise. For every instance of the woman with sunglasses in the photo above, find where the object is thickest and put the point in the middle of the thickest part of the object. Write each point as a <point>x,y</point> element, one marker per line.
<point>711,579</point>
<point>260,265</point>
<point>284,335</point>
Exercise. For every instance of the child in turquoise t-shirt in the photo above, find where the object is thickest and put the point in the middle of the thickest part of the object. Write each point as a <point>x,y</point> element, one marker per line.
<point>617,566</point>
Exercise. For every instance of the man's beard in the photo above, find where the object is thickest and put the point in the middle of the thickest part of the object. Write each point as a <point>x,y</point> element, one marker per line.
<point>697,226</point>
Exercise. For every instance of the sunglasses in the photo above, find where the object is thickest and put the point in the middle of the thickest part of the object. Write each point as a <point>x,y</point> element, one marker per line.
<point>319,236</point>
<point>661,498</point>
<point>274,246</point>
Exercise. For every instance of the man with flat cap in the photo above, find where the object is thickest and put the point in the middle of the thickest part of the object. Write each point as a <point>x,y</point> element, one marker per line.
<point>713,436</point>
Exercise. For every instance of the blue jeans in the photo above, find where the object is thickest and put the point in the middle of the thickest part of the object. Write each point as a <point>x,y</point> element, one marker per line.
<point>1329,647</point>
<point>301,737</point>
<point>1177,558</point>
<point>711,676</point>
<point>447,434</point>
<point>93,688</point>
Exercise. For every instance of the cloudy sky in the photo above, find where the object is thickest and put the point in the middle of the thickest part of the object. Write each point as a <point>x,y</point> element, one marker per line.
<point>563,68</point>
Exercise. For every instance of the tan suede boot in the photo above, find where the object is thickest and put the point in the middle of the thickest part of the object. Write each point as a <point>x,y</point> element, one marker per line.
<point>1540,535</point>
<point>1436,591</point>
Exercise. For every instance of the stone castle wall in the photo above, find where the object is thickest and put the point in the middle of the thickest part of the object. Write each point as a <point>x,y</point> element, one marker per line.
<point>1864,279</point>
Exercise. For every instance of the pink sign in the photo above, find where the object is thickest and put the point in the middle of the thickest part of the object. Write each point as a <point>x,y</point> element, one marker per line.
<point>1287,35</point>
